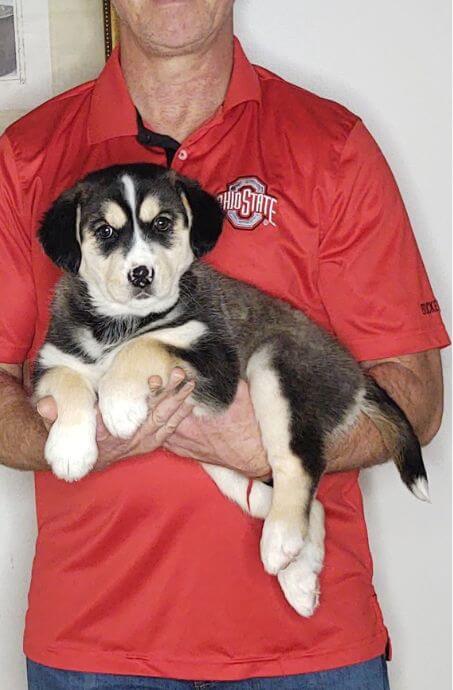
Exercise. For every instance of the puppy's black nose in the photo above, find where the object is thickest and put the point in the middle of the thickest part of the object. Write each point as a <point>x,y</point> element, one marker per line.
<point>140,276</point>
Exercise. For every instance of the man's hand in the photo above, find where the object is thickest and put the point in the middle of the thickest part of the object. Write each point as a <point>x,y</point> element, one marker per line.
<point>167,409</point>
<point>231,439</point>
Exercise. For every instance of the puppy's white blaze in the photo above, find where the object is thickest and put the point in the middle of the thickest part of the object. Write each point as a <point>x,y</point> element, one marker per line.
<point>149,209</point>
<point>114,215</point>
<point>420,489</point>
<point>50,356</point>
<point>140,252</point>
<point>139,246</point>
<point>130,195</point>
<point>182,336</point>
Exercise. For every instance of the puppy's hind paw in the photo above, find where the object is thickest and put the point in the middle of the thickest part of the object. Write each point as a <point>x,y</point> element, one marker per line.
<point>281,543</point>
<point>300,581</point>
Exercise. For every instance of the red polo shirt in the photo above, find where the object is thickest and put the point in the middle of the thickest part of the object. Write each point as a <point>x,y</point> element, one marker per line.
<point>146,568</point>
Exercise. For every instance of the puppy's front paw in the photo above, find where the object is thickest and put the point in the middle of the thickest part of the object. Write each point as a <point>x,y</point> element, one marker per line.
<point>299,580</point>
<point>281,543</point>
<point>71,450</point>
<point>123,411</point>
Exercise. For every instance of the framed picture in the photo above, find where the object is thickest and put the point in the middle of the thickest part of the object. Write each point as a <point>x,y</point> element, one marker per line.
<point>111,27</point>
<point>10,36</point>
<point>25,62</point>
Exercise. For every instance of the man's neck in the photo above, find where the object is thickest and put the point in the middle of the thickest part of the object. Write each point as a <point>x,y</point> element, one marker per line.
<point>176,94</point>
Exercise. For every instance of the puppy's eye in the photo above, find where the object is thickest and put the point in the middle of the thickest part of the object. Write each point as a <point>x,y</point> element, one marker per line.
<point>161,223</point>
<point>105,232</point>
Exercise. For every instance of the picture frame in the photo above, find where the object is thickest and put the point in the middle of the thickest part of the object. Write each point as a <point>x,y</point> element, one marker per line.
<point>11,41</point>
<point>111,27</point>
<point>25,54</point>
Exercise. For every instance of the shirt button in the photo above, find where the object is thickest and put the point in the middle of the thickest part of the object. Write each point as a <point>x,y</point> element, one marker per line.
<point>182,155</point>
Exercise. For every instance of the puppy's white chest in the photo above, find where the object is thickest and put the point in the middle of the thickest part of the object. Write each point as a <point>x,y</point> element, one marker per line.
<point>183,337</point>
<point>92,347</point>
<point>51,357</point>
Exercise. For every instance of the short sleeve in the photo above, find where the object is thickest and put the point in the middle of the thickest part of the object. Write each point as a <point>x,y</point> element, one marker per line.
<point>372,279</point>
<point>17,292</point>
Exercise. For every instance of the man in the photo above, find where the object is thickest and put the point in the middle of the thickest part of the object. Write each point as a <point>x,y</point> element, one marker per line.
<point>143,571</point>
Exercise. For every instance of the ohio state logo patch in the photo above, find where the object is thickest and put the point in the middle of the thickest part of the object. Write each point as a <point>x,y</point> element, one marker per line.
<point>247,204</point>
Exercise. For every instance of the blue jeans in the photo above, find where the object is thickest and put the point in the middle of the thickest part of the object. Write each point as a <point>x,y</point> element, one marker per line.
<point>369,675</point>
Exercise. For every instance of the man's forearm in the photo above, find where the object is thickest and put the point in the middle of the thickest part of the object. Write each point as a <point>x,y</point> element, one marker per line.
<point>232,439</point>
<point>22,432</point>
<point>362,445</point>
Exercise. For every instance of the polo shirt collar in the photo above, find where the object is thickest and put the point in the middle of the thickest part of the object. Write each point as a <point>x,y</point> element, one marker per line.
<point>112,113</point>
<point>244,82</point>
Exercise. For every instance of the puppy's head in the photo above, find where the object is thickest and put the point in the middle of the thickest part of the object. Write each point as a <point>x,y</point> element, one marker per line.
<point>131,232</point>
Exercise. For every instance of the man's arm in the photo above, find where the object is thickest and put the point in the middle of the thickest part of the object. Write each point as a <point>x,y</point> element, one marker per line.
<point>413,381</point>
<point>415,384</point>
<point>23,432</point>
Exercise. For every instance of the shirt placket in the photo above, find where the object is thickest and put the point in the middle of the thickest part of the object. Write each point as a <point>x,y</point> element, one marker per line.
<point>176,153</point>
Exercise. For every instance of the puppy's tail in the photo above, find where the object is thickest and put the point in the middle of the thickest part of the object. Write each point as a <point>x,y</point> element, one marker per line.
<point>399,436</point>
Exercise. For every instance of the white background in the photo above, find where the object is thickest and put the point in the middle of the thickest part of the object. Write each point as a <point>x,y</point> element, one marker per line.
<point>388,62</point>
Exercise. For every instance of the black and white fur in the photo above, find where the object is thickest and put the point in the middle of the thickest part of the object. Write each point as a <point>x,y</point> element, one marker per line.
<point>135,302</point>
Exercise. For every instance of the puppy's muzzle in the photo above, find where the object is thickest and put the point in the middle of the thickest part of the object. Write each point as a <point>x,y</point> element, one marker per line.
<point>141,276</point>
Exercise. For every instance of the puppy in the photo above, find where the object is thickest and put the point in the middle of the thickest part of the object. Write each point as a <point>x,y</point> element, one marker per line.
<point>135,301</point>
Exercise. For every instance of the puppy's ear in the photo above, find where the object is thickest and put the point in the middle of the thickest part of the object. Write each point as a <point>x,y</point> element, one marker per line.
<point>206,216</point>
<point>58,231</point>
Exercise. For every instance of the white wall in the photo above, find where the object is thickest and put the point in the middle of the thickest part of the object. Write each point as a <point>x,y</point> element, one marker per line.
<point>388,62</point>
<point>77,55</point>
